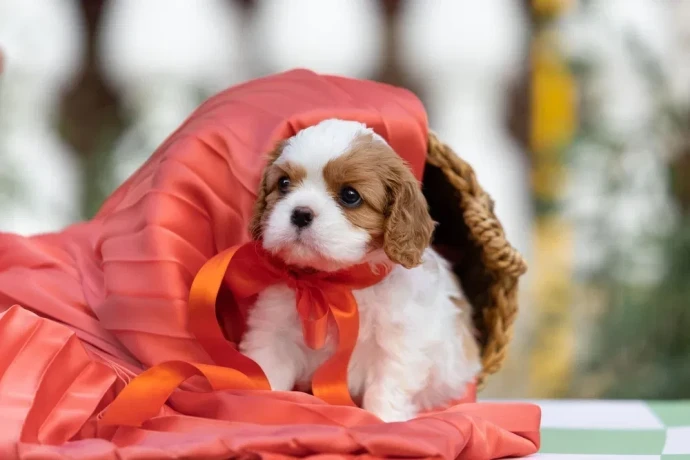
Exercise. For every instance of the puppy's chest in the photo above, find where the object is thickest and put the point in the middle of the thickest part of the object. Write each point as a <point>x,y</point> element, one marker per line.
<point>277,304</point>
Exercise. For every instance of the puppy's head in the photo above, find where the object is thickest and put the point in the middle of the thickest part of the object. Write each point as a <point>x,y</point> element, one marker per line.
<point>335,195</point>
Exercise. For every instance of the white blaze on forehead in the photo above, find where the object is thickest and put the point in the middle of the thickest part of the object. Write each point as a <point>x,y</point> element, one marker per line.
<point>313,147</point>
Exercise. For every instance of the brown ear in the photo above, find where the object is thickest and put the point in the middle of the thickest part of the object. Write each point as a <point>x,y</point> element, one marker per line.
<point>256,222</point>
<point>408,227</point>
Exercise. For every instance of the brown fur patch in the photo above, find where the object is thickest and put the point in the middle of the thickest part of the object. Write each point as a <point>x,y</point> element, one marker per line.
<point>394,211</point>
<point>363,168</point>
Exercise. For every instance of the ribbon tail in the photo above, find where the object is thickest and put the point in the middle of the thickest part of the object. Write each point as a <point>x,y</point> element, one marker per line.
<point>203,323</point>
<point>146,395</point>
<point>330,382</point>
<point>314,317</point>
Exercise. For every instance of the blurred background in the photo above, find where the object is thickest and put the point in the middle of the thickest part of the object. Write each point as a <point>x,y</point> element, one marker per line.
<point>575,115</point>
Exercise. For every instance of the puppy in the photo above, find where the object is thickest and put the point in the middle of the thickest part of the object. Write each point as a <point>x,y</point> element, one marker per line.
<point>337,195</point>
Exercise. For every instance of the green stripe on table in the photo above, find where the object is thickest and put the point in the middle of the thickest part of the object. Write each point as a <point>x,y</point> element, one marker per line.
<point>602,442</point>
<point>671,413</point>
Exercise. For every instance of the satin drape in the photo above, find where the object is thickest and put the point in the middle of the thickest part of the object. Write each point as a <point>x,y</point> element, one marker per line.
<point>104,300</point>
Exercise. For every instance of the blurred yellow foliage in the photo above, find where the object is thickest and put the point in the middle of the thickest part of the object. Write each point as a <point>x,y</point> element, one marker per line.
<point>553,124</point>
<point>552,355</point>
<point>550,7</point>
<point>553,99</point>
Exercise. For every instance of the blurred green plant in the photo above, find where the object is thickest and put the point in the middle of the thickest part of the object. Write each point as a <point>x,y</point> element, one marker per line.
<point>640,346</point>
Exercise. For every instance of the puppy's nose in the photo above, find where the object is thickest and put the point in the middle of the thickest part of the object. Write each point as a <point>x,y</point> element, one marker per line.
<point>302,216</point>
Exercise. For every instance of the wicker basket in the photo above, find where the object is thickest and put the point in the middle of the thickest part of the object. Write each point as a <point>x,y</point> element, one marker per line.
<point>487,266</point>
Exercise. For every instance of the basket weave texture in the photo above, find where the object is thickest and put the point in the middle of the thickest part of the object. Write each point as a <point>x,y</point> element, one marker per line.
<point>490,267</point>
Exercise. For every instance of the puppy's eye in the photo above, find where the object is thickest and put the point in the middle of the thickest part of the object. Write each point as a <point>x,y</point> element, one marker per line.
<point>284,184</point>
<point>349,197</point>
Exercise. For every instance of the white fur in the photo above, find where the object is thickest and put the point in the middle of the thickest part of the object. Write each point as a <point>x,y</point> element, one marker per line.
<point>410,354</point>
<point>316,145</point>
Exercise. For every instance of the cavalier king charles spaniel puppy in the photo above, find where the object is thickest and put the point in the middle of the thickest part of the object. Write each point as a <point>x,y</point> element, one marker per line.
<point>333,196</point>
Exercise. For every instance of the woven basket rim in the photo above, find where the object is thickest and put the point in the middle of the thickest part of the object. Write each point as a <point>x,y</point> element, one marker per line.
<point>501,261</point>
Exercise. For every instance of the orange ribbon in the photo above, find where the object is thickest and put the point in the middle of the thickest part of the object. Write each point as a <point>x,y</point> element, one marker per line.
<point>246,271</point>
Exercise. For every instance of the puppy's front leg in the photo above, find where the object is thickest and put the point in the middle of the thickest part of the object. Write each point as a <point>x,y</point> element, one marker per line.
<point>275,354</point>
<point>385,399</point>
<point>270,338</point>
<point>394,380</point>
<point>272,347</point>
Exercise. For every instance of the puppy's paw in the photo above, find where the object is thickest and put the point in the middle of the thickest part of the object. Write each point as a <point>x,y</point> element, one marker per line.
<point>280,371</point>
<point>388,408</point>
<point>390,415</point>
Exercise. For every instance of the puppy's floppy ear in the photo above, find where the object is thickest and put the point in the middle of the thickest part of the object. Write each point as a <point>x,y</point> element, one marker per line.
<point>408,227</point>
<point>256,222</point>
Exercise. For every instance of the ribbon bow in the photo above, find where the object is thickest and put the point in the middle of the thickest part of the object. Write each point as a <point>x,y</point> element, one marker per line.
<point>243,272</point>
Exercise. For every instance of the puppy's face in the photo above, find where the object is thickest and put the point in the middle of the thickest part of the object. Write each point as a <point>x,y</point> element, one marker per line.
<point>336,194</point>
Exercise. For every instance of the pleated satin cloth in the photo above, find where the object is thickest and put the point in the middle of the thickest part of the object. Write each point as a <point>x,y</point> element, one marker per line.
<point>85,310</point>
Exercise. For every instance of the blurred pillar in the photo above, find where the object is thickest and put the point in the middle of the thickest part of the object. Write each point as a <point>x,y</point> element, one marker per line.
<point>344,37</point>
<point>466,57</point>
<point>40,180</point>
<point>165,57</point>
<point>552,128</point>
<point>389,71</point>
<point>90,119</point>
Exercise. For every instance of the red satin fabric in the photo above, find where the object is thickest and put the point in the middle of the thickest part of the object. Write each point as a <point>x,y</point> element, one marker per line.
<point>105,300</point>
